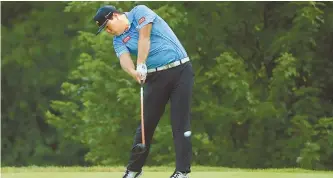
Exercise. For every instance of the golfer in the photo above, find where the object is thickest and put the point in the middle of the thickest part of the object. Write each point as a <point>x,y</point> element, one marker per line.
<point>164,67</point>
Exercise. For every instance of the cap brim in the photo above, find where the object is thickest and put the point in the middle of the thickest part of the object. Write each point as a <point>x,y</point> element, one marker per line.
<point>101,28</point>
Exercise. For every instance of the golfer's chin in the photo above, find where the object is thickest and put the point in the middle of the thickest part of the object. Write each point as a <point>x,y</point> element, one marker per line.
<point>118,33</point>
<point>113,33</point>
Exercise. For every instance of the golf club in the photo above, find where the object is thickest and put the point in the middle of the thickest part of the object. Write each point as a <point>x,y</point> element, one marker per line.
<point>141,147</point>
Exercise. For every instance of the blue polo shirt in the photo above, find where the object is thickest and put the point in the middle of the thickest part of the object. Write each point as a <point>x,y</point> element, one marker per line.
<point>164,44</point>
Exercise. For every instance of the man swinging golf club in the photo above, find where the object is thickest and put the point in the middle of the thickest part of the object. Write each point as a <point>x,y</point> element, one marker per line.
<point>164,71</point>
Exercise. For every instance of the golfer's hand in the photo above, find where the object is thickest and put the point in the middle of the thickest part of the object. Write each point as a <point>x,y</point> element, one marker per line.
<point>142,71</point>
<point>137,76</point>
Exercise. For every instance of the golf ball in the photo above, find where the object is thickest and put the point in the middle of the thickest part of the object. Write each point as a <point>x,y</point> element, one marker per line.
<point>187,133</point>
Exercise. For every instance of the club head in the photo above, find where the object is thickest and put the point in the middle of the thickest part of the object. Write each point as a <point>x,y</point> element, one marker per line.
<point>139,148</point>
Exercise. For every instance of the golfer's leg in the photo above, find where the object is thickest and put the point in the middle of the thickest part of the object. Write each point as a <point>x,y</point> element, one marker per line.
<point>155,98</point>
<point>180,118</point>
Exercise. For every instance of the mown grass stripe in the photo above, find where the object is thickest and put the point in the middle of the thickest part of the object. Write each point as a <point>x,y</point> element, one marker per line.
<point>147,169</point>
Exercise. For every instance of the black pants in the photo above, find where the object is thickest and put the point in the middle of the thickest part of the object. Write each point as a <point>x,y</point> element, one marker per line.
<point>174,84</point>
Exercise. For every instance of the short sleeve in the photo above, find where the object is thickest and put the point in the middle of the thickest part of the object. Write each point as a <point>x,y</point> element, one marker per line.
<point>143,16</point>
<point>119,47</point>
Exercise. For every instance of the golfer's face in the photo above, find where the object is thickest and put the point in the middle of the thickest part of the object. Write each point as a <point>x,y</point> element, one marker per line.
<point>114,26</point>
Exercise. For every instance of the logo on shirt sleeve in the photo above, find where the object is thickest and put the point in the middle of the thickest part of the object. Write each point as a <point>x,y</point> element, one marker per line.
<point>141,20</point>
<point>126,39</point>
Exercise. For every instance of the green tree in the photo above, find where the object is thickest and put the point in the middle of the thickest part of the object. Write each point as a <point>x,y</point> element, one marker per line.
<point>36,38</point>
<point>257,102</point>
<point>262,93</point>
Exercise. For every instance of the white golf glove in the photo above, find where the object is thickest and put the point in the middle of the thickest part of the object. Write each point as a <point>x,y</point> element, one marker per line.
<point>142,70</point>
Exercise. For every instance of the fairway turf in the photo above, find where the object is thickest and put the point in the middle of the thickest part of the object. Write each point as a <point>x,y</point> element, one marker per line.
<point>166,175</point>
<point>161,172</point>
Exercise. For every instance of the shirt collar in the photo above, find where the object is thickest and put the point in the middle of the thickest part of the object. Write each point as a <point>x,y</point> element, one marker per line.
<point>130,20</point>
<point>129,17</point>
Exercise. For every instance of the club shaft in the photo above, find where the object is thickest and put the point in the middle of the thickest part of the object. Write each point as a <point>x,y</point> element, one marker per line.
<point>142,120</point>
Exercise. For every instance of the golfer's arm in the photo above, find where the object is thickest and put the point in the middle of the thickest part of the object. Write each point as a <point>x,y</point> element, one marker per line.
<point>144,43</point>
<point>127,64</point>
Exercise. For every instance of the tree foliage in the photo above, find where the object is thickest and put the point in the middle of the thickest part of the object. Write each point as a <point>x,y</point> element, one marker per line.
<point>262,93</point>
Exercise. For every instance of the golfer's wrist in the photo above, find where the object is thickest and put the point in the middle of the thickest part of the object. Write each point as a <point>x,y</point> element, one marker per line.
<point>140,61</point>
<point>132,72</point>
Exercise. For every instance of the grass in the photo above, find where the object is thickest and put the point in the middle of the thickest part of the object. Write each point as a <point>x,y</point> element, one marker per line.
<point>153,172</point>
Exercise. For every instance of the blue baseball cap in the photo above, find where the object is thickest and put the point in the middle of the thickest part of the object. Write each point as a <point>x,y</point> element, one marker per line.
<point>102,16</point>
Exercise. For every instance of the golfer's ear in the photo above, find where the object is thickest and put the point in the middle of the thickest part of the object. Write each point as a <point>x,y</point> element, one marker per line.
<point>145,31</point>
<point>114,15</point>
